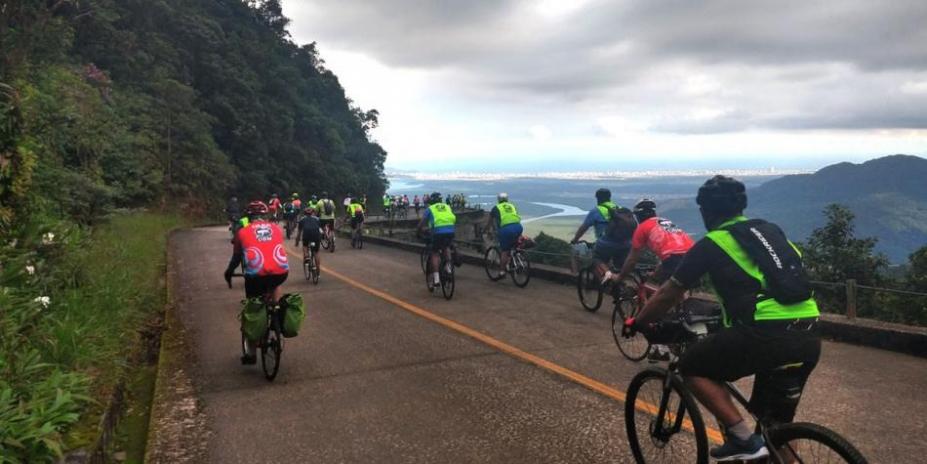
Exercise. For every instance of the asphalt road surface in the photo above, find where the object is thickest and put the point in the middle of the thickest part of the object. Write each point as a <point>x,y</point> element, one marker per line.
<point>386,372</point>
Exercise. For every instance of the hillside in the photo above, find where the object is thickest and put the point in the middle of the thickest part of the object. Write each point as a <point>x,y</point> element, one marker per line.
<point>888,196</point>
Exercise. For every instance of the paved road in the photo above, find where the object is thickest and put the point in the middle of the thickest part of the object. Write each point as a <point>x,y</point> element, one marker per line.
<point>370,381</point>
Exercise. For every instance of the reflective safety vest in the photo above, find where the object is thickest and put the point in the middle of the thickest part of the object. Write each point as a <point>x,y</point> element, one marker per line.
<point>354,208</point>
<point>507,214</point>
<point>387,201</point>
<point>441,215</point>
<point>767,308</point>
<point>604,209</point>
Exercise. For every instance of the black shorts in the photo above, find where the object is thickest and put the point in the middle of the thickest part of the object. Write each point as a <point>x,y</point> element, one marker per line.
<point>441,241</point>
<point>610,253</point>
<point>327,222</point>
<point>312,239</point>
<point>356,221</point>
<point>781,359</point>
<point>257,286</point>
<point>667,268</point>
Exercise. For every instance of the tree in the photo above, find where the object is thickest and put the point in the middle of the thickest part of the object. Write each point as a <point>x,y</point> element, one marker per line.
<point>834,254</point>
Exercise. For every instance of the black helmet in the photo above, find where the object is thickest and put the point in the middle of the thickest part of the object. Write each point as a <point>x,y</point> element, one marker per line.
<point>722,195</point>
<point>644,209</point>
<point>602,195</point>
<point>324,194</point>
<point>435,197</point>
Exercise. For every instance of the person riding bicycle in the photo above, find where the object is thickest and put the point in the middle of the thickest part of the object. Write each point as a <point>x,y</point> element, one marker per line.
<point>504,217</point>
<point>274,206</point>
<point>347,204</point>
<point>260,245</point>
<point>612,232</point>
<point>440,223</point>
<point>659,235</point>
<point>325,208</point>
<point>387,202</point>
<point>310,230</point>
<point>233,210</point>
<point>417,203</point>
<point>769,314</point>
<point>356,214</point>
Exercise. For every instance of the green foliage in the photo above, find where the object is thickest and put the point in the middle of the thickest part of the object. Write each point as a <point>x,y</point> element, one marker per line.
<point>550,250</point>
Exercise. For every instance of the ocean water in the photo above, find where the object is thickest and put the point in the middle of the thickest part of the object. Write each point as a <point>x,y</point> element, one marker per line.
<point>557,206</point>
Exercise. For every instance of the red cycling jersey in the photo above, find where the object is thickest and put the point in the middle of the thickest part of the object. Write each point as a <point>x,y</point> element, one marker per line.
<point>261,243</point>
<point>662,237</point>
<point>274,204</point>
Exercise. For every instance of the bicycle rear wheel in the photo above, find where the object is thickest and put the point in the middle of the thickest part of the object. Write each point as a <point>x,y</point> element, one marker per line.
<point>678,436</point>
<point>307,268</point>
<point>590,296</point>
<point>521,268</point>
<point>634,348</point>
<point>272,349</point>
<point>811,443</point>
<point>491,263</point>
<point>426,255</point>
<point>315,273</point>
<point>447,279</point>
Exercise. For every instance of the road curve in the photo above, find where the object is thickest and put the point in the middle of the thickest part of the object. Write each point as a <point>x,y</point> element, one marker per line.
<point>370,381</point>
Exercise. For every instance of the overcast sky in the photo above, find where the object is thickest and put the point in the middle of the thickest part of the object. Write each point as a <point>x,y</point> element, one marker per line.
<point>568,85</point>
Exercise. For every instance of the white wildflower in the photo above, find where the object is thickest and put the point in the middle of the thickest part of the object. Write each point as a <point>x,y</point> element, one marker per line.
<point>48,238</point>
<point>43,300</point>
<point>30,269</point>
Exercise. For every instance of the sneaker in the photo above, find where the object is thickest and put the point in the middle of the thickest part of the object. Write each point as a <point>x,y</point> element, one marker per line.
<point>735,449</point>
<point>658,353</point>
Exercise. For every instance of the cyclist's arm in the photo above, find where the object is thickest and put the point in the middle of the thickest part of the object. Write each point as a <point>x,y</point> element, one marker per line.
<point>661,302</point>
<point>629,263</point>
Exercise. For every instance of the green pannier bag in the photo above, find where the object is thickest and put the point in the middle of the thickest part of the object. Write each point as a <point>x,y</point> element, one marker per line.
<point>294,312</point>
<point>253,318</point>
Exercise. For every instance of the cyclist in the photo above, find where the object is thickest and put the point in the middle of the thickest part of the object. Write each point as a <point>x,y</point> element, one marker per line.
<point>297,203</point>
<point>769,315</point>
<point>326,209</point>
<point>356,213</point>
<point>232,210</point>
<point>310,229</point>
<point>440,222</point>
<point>662,237</point>
<point>260,245</point>
<point>417,203</point>
<point>387,202</point>
<point>504,217</point>
<point>274,206</point>
<point>608,248</point>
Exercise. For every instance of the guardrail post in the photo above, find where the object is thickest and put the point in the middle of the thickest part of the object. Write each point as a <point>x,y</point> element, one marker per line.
<point>851,299</point>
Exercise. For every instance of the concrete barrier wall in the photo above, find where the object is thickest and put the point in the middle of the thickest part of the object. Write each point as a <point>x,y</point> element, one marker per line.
<point>876,334</point>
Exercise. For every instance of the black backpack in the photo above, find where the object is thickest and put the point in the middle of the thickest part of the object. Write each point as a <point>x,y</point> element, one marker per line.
<point>621,224</point>
<point>328,206</point>
<point>780,263</point>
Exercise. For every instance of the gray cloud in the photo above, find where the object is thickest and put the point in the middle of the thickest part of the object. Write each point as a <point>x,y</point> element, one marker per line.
<point>783,64</point>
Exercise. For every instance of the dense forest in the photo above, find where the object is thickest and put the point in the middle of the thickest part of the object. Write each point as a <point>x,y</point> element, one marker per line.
<point>176,103</point>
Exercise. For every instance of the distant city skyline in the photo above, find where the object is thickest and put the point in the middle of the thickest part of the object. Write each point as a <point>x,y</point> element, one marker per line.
<point>511,84</point>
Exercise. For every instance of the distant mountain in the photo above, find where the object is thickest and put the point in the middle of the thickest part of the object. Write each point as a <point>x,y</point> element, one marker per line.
<point>888,196</point>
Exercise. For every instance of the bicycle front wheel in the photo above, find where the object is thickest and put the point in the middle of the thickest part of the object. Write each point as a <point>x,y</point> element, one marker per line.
<point>272,350</point>
<point>663,425</point>
<point>811,443</point>
<point>590,296</point>
<point>491,262</point>
<point>634,348</point>
<point>426,255</point>
<point>447,279</point>
<point>521,268</point>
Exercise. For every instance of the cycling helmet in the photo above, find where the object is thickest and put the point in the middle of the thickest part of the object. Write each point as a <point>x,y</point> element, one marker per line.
<point>722,195</point>
<point>502,197</point>
<point>295,195</point>
<point>314,198</point>
<point>435,197</point>
<point>602,195</point>
<point>645,209</point>
<point>256,208</point>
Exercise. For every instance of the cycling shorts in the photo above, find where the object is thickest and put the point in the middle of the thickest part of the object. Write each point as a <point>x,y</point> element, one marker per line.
<point>744,350</point>
<point>257,286</point>
<point>327,222</point>
<point>312,238</point>
<point>508,236</point>
<point>441,241</point>
<point>356,221</point>
<point>610,253</point>
<point>667,268</point>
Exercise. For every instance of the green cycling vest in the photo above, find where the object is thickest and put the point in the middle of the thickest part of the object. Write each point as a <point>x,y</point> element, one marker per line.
<point>767,308</point>
<point>507,214</point>
<point>604,209</point>
<point>441,215</point>
<point>387,201</point>
<point>320,209</point>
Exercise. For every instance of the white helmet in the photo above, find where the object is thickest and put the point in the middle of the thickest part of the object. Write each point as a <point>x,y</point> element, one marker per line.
<point>502,197</point>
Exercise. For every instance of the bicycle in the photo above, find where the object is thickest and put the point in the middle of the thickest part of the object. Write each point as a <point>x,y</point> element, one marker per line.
<point>670,407</point>
<point>357,237</point>
<point>309,267</point>
<point>271,343</point>
<point>630,301</point>
<point>588,286</point>
<point>445,270</point>
<point>519,267</point>
<point>290,225</point>
<point>328,239</point>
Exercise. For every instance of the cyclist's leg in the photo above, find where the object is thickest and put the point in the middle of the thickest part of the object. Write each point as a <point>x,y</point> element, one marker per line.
<point>777,390</point>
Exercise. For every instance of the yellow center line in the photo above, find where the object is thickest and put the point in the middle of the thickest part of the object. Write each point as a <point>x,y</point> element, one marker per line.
<point>713,434</point>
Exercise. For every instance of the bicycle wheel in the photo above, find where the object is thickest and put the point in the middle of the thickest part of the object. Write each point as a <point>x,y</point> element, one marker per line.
<point>331,243</point>
<point>425,256</point>
<point>315,274</point>
<point>360,240</point>
<point>272,349</point>
<point>521,268</point>
<point>812,443</point>
<point>634,348</point>
<point>491,263</point>
<point>447,279</point>
<point>590,296</point>
<point>307,268</point>
<point>679,436</point>
<point>325,243</point>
